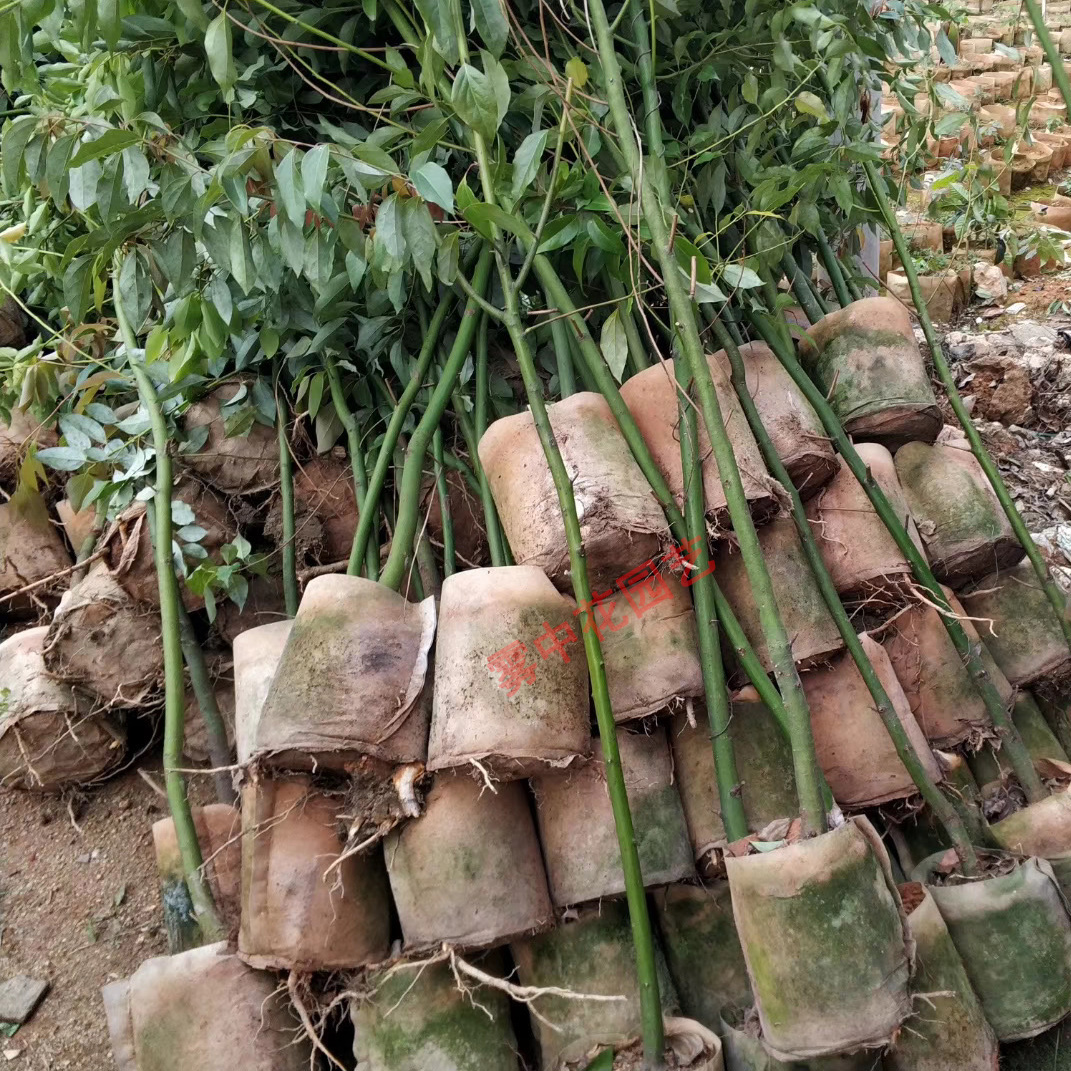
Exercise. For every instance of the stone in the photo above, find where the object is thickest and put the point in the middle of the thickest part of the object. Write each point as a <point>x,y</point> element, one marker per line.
<point>1030,334</point>
<point>990,284</point>
<point>19,996</point>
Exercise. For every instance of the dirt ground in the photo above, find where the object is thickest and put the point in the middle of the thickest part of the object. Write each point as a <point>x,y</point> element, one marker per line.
<point>79,906</point>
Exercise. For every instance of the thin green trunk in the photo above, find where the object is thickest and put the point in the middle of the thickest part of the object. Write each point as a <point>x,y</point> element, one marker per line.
<point>405,528</point>
<point>717,697</point>
<point>174,684</point>
<point>286,496</point>
<point>368,505</point>
<point>801,287</point>
<point>592,358</point>
<point>360,476</point>
<point>940,806</point>
<point>836,276</point>
<point>805,761</point>
<point>496,542</point>
<point>1052,53</point>
<point>563,355</point>
<point>1022,533</point>
<point>443,491</point>
<point>219,748</point>
<point>1017,753</point>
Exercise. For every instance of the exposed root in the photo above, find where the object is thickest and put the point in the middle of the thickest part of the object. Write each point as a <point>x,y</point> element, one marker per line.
<point>310,1031</point>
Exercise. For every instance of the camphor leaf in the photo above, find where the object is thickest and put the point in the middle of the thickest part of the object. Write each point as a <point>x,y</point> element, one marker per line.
<point>135,289</point>
<point>526,161</point>
<point>314,173</point>
<point>110,142</point>
<point>447,261</point>
<point>614,344</point>
<point>473,98</point>
<point>577,70</point>
<point>439,15</point>
<point>950,124</point>
<point>433,184</point>
<point>290,190</point>
<point>419,237</point>
<point>62,458</point>
<point>810,104</point>
<point>499,83</point>
<point>220,55</point>
<point>489,20</point>
<point>737,276</point>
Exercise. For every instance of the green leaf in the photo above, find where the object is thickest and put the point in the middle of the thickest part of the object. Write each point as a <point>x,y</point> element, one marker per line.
<point>950,124</point>
<point>134,289</point>
<point>614,344</point>
<point>439,15</point>
<point>419,237</point>
<point>290,190</point>
<point>389,233</point>
<point>78,286</point>
<point>62,458</point>
<point>57,168</point>
<point>739,277</point>
<point>109,143</point>
<point>526,161</point>
<point>193,10</point>
<point>220,55</point>
<point>558,233</point>
<point>12,148</point>
<point>433,184</point>
<point>945,48</point>
<point>484,217</point>
<point>499,83</point>
<point>490,20</point>
<point>750,90</point>
<point>465,197</point>
<point>241,258</point>
<point>577,70</point>
<point>603,1062</point>
<point>447,261</point>
<point>78,423</point>
<point>474,101</point>
<point>810,104</point>
<point>314,173</point>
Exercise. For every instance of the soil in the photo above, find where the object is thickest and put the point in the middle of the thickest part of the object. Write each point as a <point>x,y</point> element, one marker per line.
<point>80,907</point>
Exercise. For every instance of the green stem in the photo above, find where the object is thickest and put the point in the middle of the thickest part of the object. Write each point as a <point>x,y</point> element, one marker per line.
<point>637,352</point>
<point>805,761</point>
<point>940,806</point>
<point>848,275</point>
<point>360,477</point>
<point>174,685</point>
<point>836,276</point>
<point>405,528</point>
<point>219,748</point>
<point>496,543</point>
<point>563,354</point>
<point>286,495</point>
<point>443,491</point>
<point>368,506</point>
<point>592,359</point>
<point>801,288</point>
<point>642,935</point>
<point>1052,592</point>
<point>1052,53</point>
<point>718,712</point>
<point>969,652</point>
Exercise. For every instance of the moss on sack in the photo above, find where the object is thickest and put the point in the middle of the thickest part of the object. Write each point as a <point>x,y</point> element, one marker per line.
<point>431,1023</point>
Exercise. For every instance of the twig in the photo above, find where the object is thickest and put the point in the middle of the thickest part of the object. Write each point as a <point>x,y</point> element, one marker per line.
<point>55,576</point>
